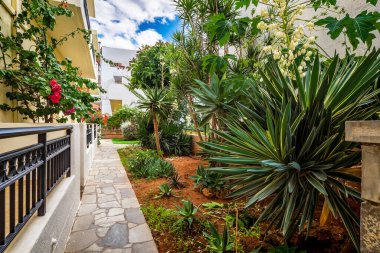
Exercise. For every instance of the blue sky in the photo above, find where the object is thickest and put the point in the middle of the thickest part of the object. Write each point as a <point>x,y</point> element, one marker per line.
<point>132,23</point>
<point>164,27</point>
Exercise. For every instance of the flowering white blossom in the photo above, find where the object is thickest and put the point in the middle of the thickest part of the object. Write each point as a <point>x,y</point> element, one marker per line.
<point>262,25</point>
<point>287,32</point>
<point>264,13</point>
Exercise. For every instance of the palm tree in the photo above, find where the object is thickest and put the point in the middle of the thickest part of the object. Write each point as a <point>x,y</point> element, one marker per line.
<point>158,102</point>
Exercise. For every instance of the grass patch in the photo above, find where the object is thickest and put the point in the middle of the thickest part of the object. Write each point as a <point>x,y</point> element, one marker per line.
<point>121,141</point>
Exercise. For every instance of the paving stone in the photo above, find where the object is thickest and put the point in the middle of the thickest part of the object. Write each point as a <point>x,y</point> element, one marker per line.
<point>99,211</point>
<point>106,198</point>
<point>116,237</point>
<point>83,222</point>
<point>110,219</point>
<point>89,189</point>
<point>128,250</point>
<point>130,203</point>
<point>135,215</point>
<point>94,248</point>
<point>109,204</point>
<point>132,225</point>
<point>147,247</point>
<point>89,199</point>
<point>108,190</point>
<point>86,209</point>
<point>140,233</point>
<point>115,211</point>
<point>81,240</point>
<point>107,225</point>
<point>127,193</point>
<point>101,232</point>
<point>100,215</point>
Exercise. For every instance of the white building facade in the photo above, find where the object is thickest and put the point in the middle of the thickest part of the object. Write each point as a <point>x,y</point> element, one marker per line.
<point>113,78</point>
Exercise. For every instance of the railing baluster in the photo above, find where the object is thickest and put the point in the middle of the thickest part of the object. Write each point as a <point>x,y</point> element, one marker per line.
<point>21,167</point>
<point>2,217</point>
<point>3,168</point>
<point>68,173</point>
<point>34,188</point>
<point>42,138</point>
<point>12,208</point>
<point>12,196</point>
<point>27,178</point>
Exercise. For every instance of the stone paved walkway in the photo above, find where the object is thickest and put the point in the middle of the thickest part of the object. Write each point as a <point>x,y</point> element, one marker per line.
<point>109,218</point>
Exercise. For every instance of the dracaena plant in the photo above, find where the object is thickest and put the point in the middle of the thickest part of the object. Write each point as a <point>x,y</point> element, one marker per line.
<point>158,103</point>
<point>287,145</point>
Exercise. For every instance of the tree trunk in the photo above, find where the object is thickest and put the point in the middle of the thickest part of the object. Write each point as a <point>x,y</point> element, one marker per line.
<point>156,134</point>
<point>193,116</point>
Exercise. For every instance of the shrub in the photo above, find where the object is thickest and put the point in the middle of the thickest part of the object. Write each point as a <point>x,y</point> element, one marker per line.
<point>173,140</point>
<point>145,163</point>
<point>288,143</point>
<point>208,179</point>
<point>123,114</point>
<point>129,130</point>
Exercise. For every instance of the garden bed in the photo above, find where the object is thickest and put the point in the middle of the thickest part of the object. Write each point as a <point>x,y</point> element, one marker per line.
<point>162,218</point>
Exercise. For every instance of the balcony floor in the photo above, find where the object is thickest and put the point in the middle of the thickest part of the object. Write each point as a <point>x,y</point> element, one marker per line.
<point>109,218</point>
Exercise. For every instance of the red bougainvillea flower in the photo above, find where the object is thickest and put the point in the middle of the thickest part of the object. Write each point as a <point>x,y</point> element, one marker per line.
<point>70,111</point>
<point>105,119</point>
<point>56,88</point>
<point>64,4</point>
<point>53,82</point>
<point>56,91</point>
<point>55,97</point>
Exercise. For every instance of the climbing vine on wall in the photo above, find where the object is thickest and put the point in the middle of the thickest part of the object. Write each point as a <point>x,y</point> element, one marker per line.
<point>41,87</point>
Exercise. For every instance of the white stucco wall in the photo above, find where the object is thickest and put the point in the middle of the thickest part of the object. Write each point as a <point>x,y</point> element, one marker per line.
<point>116,91</point>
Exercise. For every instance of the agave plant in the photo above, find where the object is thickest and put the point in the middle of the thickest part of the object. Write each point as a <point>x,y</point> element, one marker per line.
<point>288,144</point>
<point>165,191</point>
<point>219,243</point>
<point>207,179</point>
<point>187,213</point>
<point>176,181</point>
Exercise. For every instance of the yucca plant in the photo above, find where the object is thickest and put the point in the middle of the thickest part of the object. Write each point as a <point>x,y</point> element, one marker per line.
<point>165,191</point>
<point>219,243</point>
<point>187,213</point>
<point>287,145</point>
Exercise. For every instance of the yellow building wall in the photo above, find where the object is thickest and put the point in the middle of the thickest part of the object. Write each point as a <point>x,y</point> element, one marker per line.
<point>6,19</point>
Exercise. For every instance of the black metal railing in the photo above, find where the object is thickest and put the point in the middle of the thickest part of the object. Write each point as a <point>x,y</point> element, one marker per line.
<point>27,175</point>
<point>89,135</point>
<point>95,131</point>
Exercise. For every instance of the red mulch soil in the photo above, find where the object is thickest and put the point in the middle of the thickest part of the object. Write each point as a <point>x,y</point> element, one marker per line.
<point>330,238</point>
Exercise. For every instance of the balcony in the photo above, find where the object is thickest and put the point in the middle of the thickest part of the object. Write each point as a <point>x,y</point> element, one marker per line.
<point>82,10</point>
<point>42,170</point>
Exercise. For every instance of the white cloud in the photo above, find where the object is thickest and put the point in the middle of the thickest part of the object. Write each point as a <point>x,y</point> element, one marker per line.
<point>118,21</point>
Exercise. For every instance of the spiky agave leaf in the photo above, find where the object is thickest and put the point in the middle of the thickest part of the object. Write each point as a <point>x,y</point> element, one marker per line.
<point>288,142</point>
